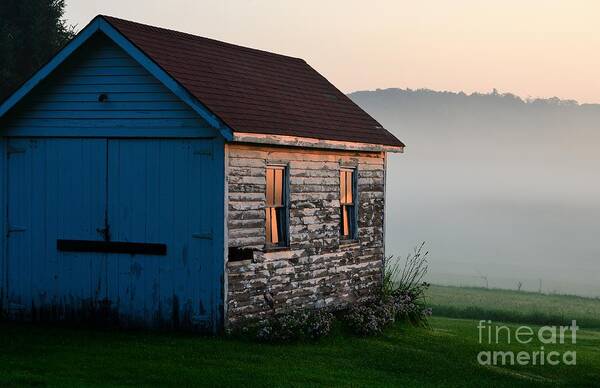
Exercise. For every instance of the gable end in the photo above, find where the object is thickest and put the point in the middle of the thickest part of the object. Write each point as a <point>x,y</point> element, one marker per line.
<point>102,91</point>
<point>90,34</point>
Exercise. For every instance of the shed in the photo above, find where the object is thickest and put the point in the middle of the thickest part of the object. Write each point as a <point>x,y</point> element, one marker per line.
<point>159,179</point>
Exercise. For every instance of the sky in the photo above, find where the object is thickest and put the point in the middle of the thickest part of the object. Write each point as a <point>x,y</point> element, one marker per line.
<point>532,48</point>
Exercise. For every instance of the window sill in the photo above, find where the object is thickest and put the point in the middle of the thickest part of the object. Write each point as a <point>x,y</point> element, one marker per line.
<point>268,249</point>
<point>239,263</point>
<point>348,243</point>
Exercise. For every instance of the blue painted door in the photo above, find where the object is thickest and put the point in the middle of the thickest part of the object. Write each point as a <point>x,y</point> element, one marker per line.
<point>56,190</point>
<point>141,191</point>
<point>160,192</point>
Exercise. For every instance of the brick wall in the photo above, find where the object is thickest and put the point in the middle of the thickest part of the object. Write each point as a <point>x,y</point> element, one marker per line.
<point>316,271</point>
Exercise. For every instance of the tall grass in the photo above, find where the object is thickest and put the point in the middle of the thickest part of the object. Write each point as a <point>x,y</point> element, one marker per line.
<point>407,276</point>
<point>404,286</point>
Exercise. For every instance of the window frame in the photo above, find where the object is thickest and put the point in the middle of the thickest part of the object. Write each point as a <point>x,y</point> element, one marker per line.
<point>353,237</point>
<point>284,242</point>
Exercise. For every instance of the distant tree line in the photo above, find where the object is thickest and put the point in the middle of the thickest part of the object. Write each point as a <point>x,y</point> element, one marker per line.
<point>494,95</point>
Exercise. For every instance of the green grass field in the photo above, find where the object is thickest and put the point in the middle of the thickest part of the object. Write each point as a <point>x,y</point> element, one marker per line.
<point>514,306</point>
<point>444,355</point>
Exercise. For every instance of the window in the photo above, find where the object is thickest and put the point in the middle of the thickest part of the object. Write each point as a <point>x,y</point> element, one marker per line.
<point>276,207</point>
<point>347,203</point>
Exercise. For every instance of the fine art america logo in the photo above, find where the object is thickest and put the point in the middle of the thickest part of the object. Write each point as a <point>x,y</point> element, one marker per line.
<point>558,337</point>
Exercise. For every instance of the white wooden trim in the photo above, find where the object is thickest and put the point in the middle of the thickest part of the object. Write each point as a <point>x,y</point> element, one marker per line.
<point>309,142</point>
<point>226,236</point>
<point>383,259</point>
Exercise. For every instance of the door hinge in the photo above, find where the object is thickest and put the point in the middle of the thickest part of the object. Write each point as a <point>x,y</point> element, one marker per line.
<point>204,151</point>
<point>203,236</point>
<point>16,307</point>
<point>14,228</point>
<point>13,150</point>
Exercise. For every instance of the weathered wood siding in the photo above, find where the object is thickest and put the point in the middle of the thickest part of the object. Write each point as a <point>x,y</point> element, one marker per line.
<point>316,271</point>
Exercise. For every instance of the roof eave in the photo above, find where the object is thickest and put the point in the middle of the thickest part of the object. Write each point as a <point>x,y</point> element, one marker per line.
<point>309,142</point>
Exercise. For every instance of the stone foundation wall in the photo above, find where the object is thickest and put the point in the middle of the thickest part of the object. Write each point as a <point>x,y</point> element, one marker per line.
<point>316,270</point>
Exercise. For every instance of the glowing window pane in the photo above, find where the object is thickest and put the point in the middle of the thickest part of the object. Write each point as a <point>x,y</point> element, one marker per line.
<point>348,217</point>
<point>278,192</point>
<point>275,212</point>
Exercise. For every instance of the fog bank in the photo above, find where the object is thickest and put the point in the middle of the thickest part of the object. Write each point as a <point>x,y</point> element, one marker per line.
<point>505,191</point>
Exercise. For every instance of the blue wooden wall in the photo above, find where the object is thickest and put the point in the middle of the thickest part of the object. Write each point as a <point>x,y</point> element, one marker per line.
<point>3,210</point>
<point>137,105</point>
<point>143,162</point>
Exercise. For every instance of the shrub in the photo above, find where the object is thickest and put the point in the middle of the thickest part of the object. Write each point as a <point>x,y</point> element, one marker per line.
<point>408,278</point>
<point>296,325</point>
<point>371,317</point>
<point>318,324</point>
<point>411,308</point>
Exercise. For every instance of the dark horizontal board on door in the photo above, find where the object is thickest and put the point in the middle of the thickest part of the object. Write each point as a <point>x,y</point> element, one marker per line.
<point>131,248</point>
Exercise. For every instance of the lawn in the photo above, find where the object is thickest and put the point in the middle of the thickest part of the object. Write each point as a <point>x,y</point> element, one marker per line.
<point>445,355</point>
<point>514,306</point>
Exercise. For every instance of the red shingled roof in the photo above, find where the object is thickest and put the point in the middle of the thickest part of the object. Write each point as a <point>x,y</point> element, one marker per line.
<point>256,91</point>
